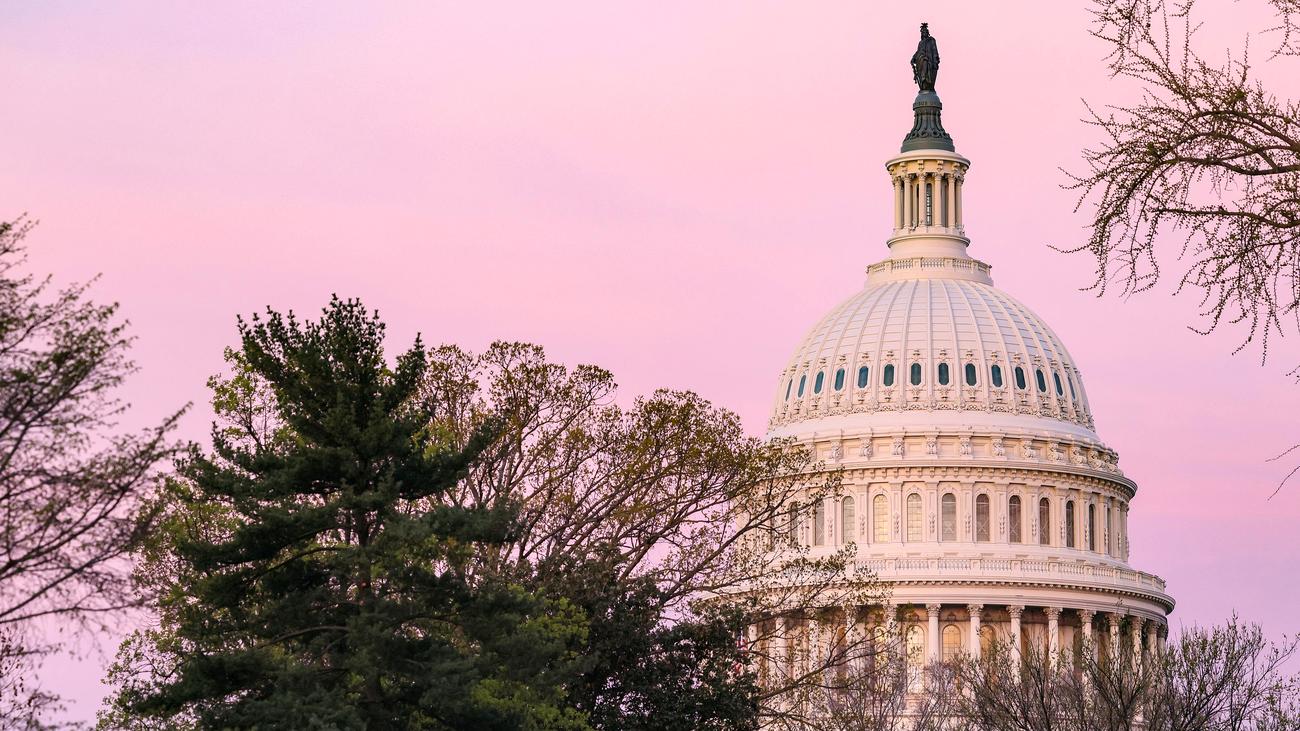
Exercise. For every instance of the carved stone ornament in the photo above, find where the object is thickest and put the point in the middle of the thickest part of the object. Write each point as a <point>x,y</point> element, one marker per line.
<point>897,448</point>
<point>963,447</point>
<point>932,446</point>
<point>931,523</point>
<point>1056,455</point>
<point>865,449</point>
<point>998,449</point>
<point>966,526</point>
<point>1027,449</point>
<point>837,452</point>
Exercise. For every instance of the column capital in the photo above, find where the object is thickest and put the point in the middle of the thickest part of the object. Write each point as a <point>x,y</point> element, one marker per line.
<point>933,609</point>
<point>1053,613</point>
<point>975,609</point>
<point>1114,618</point>
<point>1137,622</point>
<point>1087,615</point>
<point>1015,610</point>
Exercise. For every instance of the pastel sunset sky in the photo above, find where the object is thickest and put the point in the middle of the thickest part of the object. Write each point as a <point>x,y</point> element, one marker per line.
<point>673,190</point>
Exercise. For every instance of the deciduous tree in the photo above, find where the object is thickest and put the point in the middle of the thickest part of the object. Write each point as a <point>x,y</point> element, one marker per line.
<point>71,481</point>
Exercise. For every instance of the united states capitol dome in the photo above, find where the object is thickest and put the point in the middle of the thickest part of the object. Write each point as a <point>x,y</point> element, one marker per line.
<point>974,485</point>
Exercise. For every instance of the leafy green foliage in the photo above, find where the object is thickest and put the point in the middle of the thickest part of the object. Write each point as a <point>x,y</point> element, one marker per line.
<point>307,574</point>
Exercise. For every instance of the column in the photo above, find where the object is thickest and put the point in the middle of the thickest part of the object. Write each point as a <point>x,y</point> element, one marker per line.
<point>950,211</point>
<point>780,644</point>
<point>1053,634</point>
<point>907,201</point>
<point>932,629</point>
<point>975,610</point>
<point>1153,631</point>
<point>1085,624</point>
<point>898,203</point>
<point>958,201</point>
<point>1015,611</point>
<point>1113,619</point>
<point>1136,631</point>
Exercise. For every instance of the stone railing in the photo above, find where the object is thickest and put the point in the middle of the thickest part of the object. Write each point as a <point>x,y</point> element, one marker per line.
<point>1010,569</point>
<point>929,262</point>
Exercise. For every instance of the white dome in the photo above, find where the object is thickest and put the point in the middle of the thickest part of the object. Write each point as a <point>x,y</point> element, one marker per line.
<point>919,323</point>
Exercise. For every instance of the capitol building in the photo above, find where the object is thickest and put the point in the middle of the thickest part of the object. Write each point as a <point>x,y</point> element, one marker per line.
<point>975,485</point>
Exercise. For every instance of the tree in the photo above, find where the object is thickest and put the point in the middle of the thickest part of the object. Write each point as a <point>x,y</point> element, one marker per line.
<point>1209,156</point>
<point>71,485</point>
<point>311,572</point>
<point>679,512</point>
<point>1226,677</point>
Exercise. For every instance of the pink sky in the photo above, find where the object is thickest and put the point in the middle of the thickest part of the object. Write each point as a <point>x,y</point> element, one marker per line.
<point>674,191</point>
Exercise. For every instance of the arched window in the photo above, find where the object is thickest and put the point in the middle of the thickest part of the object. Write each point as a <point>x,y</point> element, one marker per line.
<point>889,374</point>
<point>848,525</point>
<point>1056,378</point>
<point>916,374</point>
<point>1013,518</point>
<point>970,374</point>
<point>915,658</point>
<point>982,518</point>
<point>817,384</point>
<point>948,517</point>
<point>1020,378</point>
<point>819,523</point>
<point>929,204</point>
<point>794,524</point>
<point>995,374</point>
<point>944,376</point>
<point>1044,522</point>
<point>1042,382</point>
<point>863,372</point>
<point>1092,527</point>
<point>788,385</point>
<point>951,642</point>
<point>1069,524</point>
<point>802,380</point>
<point>1109,530</point>
<point>880,518</point>
<point>913,517</point>
<point>839,379</point>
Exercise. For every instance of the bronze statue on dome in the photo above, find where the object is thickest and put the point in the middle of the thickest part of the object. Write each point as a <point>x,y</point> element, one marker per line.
<point>925,62</point>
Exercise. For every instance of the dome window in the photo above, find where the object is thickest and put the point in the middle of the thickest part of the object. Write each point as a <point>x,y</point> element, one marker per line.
<point>802,380</point>
<point>970,374</point>
<point>880,518</point>
<point>944,376</point>
<point>862,377</point>
<point>982,518</point>
<point>889,374</point>
<point>1056,378</point>
<point>1071,382</point>
<point>1069,524</point>
<point>788,386</point>
<point>916,374</point>
<point>1044,521</point>
<point>996,374</point>
<point>914,518</point>
<point>839,380</point>
<point>1042,381</point>
<point>1020,378</point>
<point>1013,519</point>
<point>948,517</point>
<point>817,384</point>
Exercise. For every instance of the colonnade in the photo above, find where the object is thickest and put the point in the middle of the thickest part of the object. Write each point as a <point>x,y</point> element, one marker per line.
<point>802,644</point>
<point>928,199</point>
